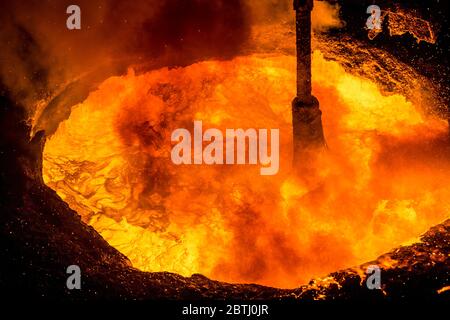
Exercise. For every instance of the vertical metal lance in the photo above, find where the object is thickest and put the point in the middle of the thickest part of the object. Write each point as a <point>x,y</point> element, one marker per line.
<point>303,38</point>
<point>306,115</point>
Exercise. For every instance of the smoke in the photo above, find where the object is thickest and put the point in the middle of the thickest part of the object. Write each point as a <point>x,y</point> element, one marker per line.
<point>40,55</point>
<point>324,15</point>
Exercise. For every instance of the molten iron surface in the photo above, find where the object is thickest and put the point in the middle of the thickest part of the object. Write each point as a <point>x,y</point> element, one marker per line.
<point>381,183</point>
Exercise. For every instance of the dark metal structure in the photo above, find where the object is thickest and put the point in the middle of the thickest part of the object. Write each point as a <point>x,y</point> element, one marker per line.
<point>306,115</point>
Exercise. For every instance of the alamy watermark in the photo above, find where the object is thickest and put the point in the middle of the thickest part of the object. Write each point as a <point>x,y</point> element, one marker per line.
<point>374,280</point>
<point>74,280</point>
<point>74,20</point>
<point>374,21</point>
<point>229,148</point>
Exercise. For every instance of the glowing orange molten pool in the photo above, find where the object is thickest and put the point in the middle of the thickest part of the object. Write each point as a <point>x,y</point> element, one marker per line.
<point>381,183</point>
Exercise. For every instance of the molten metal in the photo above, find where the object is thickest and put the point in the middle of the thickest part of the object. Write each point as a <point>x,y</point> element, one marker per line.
<point>110,161</point>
